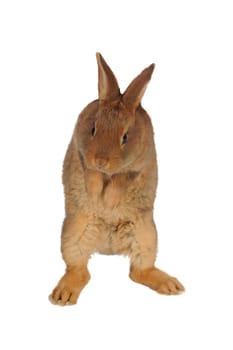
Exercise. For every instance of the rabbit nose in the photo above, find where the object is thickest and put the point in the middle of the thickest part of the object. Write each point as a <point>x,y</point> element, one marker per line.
<point>101,162</point>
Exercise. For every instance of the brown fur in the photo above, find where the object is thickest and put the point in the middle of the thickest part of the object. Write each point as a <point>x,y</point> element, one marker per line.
<point>110,188</point>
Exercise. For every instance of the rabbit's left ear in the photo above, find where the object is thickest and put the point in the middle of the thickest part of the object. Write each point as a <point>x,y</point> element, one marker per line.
<point>107,84</point>
<point>133,95</point>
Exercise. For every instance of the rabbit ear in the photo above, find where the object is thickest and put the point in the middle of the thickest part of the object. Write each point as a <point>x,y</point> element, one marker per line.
<point>107,83</point>
<point>135,91</point>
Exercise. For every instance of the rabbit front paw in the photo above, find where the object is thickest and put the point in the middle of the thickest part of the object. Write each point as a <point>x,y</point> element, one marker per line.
<point>112,195</point>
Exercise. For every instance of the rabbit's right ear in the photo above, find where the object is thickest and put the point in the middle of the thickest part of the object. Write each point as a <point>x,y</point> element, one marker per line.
<point>107,84</point>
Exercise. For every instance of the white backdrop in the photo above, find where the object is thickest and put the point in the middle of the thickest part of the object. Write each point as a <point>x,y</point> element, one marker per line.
<point>48,74</point>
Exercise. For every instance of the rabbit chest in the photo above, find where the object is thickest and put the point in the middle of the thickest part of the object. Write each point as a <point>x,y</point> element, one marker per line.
<point>109,192</point>
<point>119,197</point>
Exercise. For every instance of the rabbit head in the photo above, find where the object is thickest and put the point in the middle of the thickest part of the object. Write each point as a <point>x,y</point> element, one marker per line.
<point>113,133</point>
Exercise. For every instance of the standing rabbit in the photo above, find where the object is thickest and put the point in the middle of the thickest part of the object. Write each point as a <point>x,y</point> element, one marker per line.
<point>110,180</point>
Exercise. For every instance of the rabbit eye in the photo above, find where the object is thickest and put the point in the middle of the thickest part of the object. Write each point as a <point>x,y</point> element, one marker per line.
<point>124,139</point>
<point>93,131</point>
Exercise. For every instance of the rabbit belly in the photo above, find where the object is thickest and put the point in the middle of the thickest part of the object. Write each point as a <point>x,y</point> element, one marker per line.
<point>118,239</point>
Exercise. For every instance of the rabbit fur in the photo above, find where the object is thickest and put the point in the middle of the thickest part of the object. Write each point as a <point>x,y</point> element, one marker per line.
<point>110,180</point>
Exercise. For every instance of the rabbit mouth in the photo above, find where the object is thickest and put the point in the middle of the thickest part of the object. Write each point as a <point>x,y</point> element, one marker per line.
<point>103,164</point>
<point>105,170</point>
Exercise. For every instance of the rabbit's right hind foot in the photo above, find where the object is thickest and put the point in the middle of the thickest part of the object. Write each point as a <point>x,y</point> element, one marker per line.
<point>69,287</point>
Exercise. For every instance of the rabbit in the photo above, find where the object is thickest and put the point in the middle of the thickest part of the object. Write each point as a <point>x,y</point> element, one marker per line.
<point>110,180</point>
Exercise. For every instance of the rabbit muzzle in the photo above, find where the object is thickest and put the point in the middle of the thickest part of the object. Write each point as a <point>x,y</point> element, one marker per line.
<point>101,163</point>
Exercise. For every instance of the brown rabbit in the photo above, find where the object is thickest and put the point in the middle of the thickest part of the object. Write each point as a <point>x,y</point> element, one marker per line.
<point>110,180</point>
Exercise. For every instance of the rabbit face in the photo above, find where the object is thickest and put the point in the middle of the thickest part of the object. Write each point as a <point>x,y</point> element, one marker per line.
<point>111,138</point>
